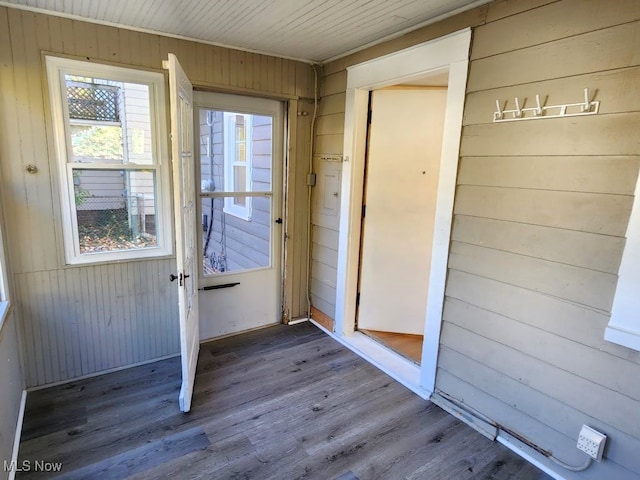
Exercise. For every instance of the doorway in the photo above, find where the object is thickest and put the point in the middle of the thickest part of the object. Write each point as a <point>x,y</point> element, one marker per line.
<point>449,56</point>
<point>240,165</point>
<point>404,145</point>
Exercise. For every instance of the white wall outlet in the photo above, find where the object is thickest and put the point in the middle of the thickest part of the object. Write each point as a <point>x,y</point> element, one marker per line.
<point>592,442</point>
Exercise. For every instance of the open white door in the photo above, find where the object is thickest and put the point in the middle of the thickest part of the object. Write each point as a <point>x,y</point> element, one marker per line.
<point>405,144</point>
<point>181,96</point>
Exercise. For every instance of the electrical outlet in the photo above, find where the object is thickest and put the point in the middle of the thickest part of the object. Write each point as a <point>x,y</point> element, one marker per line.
<point>592,442</point>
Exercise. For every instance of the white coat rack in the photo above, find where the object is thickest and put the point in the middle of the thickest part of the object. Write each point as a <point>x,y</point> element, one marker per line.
<point>586,107</point>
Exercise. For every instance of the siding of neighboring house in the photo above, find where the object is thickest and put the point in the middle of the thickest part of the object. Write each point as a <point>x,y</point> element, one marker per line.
<point>540,215</point>
<point>244,244</point>
<point>85,319</point>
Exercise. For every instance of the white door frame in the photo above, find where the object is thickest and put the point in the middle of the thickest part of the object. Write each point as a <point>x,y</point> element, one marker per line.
<point>449,53</point>
<point>265,315</point>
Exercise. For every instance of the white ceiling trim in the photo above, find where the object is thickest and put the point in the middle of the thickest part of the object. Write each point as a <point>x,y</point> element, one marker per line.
<point>145,30</point>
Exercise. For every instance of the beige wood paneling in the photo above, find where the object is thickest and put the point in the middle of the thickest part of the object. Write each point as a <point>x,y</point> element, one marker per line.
<point>330,124</point>
<point>615,89</point>
<point>30,213</point>
<point>324,273</point>
<point>592,135</point>
<point>554,315</point>
<point>329,143</point>
<point>596,252</point>
<point>608,371</point>
<point>505,8</point>
<point>586,287</point>
<point>325,255</point>
<point>606,49</point>
<point>325,237</point>
<point>79,321</point>
<point>560,20</point>
<point>593,174</point>
<point>328,308</point>
<point>584,395</point>
<point>523,408</point>
<point>332,104</point>
<point>320,290</point>
<point>587,212</point>
<point>333,83</point>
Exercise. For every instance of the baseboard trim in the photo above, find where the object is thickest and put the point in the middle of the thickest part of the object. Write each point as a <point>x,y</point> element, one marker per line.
<point>299,320</point>
<point>323,319</point>
<point>521,449</point>
<point>18,435</point>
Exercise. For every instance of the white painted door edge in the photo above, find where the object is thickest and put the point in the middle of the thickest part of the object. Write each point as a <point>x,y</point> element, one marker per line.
<point>17,437</point>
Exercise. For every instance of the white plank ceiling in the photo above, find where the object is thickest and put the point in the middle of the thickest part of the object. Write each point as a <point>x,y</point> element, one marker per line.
<point>310,30</point>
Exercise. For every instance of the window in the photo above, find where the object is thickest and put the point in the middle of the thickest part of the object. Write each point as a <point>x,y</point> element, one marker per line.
<point>237,157</point>
<point>109,130</point>
<point>624,326</point>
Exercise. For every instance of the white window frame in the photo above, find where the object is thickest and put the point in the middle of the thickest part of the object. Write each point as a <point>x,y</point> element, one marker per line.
<point>624,325</point>
<point>230,207</point>
<point>57,68</point>
<point>4,293</point>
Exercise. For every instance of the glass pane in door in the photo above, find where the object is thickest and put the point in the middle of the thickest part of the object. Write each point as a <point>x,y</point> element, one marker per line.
<point>236,157</point>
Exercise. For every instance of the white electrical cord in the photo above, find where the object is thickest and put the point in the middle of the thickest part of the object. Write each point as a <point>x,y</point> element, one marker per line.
<point>579,468</point>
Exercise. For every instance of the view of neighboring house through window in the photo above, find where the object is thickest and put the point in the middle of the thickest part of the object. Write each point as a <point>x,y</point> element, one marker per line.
<point>236,197</point>
<point>112,166</point>
<point>237,155</point>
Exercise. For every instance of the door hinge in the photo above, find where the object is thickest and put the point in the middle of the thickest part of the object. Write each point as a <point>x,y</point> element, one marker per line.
<point>357,299</point>
<point>364,211</point>
<point>369,115</point>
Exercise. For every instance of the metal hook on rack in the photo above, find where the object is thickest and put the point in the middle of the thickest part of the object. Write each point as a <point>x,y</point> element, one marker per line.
<point>498,114</point>
<point>542,110</point>
<point>538,110</point>
<point>518,112</point>
<point>587,103</point>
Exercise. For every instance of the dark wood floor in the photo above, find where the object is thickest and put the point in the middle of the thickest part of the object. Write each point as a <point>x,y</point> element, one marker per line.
<point>279,403</point>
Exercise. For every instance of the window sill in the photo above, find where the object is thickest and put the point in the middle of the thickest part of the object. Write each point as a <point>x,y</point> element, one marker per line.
<point>622,337</point>
<point>5,309</point>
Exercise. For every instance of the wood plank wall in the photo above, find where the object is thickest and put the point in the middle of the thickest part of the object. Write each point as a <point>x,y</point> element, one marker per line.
<point>83,320</point>
<point>10,388</point>
<point>539,221</point>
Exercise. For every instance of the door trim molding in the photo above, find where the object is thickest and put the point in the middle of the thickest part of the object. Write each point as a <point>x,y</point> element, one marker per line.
<point>449,53</point>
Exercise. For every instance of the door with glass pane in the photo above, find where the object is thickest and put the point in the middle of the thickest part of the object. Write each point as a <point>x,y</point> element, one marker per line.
<point>240,159</point>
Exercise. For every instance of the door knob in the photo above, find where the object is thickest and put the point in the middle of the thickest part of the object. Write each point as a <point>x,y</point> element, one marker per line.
<point>172,277</point>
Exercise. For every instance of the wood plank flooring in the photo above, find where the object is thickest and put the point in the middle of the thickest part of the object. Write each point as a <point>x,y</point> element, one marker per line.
<point>407,345</point>
<point>285,402</point>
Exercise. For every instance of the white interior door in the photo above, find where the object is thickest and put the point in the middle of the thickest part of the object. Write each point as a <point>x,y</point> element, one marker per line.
<point>181,96</point>
<point>405,141</point>
<point>240,164</point>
